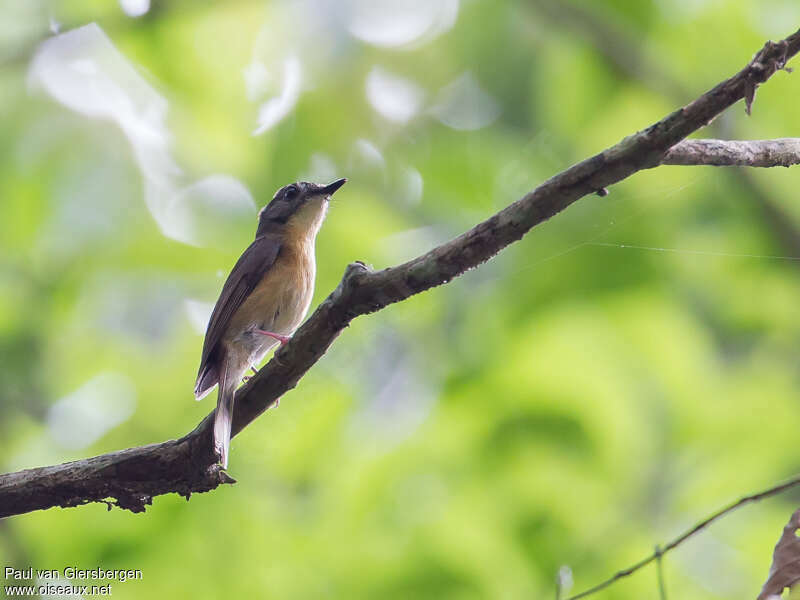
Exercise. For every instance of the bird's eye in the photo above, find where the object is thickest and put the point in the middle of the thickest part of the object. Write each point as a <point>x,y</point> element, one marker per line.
<point>291,192</point>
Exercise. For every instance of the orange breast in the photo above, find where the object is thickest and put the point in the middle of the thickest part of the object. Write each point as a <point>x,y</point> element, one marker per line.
<point>280,301</point>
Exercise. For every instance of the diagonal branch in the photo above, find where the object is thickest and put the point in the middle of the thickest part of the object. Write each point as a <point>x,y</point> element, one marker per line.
<point>629,56</point>
<point>698,527</point>
<point>188,465</point>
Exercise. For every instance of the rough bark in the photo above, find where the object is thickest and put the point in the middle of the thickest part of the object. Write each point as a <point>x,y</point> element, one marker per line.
<point>783,152</point>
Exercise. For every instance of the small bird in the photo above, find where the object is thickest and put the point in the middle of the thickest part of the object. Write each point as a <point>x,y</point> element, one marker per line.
<point>264,298</point>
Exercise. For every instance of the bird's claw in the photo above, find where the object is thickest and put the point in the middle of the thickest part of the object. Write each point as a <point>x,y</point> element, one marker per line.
<point>246,378</point>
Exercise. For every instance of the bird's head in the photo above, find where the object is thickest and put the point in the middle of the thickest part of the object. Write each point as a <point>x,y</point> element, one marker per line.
<point>298,207</point>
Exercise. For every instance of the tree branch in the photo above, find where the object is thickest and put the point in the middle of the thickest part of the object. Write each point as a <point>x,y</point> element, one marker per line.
<point>782,152</point>
<point>188,465</point>
<point>659,552</point>
<point>629,56</point>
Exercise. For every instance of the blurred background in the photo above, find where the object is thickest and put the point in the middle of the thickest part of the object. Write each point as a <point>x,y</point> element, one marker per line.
<point>620,373</point>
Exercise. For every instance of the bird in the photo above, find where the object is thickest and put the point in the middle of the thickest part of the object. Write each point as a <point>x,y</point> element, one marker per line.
<point>265,297</point>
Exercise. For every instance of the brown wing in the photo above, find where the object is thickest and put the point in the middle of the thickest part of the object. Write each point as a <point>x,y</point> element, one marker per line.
<point>245,276</point>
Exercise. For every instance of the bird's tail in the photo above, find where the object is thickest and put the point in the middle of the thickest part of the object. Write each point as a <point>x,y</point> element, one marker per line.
<point>224,415</point>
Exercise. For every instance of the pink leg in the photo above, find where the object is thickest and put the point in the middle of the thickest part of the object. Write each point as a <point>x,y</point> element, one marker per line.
<point>281,338</point>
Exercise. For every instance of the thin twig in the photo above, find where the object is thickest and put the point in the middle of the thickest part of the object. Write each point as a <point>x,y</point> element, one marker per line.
<point>689,533</point>
<point>662,590</point>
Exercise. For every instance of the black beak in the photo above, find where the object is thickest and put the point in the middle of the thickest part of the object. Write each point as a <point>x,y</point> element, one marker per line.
<point>332,187</point>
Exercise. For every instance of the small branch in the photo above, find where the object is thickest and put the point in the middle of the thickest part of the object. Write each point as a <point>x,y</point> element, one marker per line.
<point>662,588</point>
<point>660,552</point>
<point>782,152</point>
<point>628,55</point>
<point>187,465</point>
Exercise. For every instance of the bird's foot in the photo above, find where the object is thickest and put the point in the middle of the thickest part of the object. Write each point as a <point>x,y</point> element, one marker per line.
<point>246,378</point>
<point>281,338</point>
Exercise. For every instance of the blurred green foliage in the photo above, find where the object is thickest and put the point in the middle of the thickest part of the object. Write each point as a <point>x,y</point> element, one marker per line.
<point>571,402</point>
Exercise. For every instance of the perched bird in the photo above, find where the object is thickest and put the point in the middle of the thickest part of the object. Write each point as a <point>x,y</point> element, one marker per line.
<point>264,298</point>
